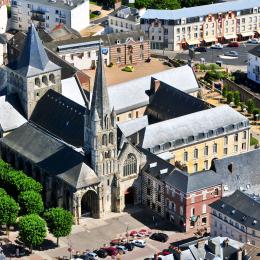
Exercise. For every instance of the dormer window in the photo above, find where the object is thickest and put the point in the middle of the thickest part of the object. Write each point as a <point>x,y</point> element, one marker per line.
<point>117,41</point>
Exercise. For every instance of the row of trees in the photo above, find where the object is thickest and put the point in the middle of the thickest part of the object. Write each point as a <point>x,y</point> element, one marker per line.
<point>234,96</point>
<point>20,199</point>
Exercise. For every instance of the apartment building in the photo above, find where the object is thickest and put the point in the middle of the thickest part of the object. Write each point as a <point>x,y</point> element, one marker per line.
<point>238,217</point>
<point>253,65</point>
<point>47,14</point>
<point>201,25</point>
<point>125,19</point>
<point>117,48</point>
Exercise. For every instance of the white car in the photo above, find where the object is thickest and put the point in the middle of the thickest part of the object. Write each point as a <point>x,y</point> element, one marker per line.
<point>217,46</point>
<point>91,256</point>
<point>253,41</point>
<point>139,243</point>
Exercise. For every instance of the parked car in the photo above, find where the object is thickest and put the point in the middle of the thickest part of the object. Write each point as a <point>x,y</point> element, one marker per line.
<point>231,54</point>
<point>233,44</point>
<point>102,253</point>
<point>159,237</point>
<point>133,233</point>
<point>253,41</point>
<point>217,46</point>
<point>122,249</point>
<point>91,256</point>
<point>201,49</point>
<point>96,12</point>
<point>112,251</point>
<point>139,243</point>
<point>129,246</point>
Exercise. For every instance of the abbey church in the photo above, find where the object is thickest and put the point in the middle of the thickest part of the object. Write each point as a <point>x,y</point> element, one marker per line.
<point>77,152</point>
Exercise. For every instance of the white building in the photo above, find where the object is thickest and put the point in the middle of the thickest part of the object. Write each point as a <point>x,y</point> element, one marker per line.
<point>125,19</point>
<point>48,14</point>
<point>238,217</point>
<point>202,25</point>
<point>3,18</point>
<point>253,65</point>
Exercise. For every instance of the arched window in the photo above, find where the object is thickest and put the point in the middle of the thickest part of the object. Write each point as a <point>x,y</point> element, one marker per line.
<point>45,80</point>
<point>106,122</point>
<point>37,82</point>
<point>104,139</point>
<point>52,78</point>
<point>111,138</point>
<point>130,165</point>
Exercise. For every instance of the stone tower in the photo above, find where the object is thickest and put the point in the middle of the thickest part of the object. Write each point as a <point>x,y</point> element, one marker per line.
<point>33,73</point>
<point>100,137</point>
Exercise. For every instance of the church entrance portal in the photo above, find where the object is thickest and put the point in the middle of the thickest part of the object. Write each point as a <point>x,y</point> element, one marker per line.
<point>129,196</point>
<point>89,204</point>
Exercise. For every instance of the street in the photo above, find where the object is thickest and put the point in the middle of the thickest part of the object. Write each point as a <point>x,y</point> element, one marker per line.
<point>213,55</point>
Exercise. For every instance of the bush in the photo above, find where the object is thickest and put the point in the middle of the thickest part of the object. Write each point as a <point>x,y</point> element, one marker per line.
<point>253,141</point>
<point>30,202</point>
<point>230,97</point>
<point>250,106</point>
<point>237,98</point>
<point>224,91</point>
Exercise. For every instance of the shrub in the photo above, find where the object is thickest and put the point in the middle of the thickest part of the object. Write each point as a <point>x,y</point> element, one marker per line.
<point>250,105</point>
<point>230,97</point>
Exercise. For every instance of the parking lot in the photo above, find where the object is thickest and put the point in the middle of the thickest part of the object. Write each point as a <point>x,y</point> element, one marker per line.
<point>213,55</point>
<point>98,233</point>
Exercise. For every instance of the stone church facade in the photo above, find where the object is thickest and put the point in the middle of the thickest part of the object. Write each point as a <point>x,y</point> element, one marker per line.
<point>92,171</point>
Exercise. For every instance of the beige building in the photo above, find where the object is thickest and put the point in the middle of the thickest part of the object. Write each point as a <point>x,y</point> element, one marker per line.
<point>202,25</point>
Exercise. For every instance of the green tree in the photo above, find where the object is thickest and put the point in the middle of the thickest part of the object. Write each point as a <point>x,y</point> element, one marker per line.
<point>224,91</point>
<point>8,211</point>
<point>59,222</point>
<point>230,97</point>
<point>166,4</point>
<point>30,202</point>
<point>250,105</point>
<point>236,98</point>
<point>2,192</point>
<point>32,230</point>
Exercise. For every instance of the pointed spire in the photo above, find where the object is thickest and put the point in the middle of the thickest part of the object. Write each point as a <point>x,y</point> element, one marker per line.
<point>100,100</point>
<point>33,57</point>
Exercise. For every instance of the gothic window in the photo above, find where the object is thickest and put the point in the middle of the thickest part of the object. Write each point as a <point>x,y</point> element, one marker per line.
<point>104,139</point>
<point>106,122</point>
<point>111,137</point>
<point>130,165</point>
<point>45,80</point>
<point>52,78</point>
<point>37,82</point>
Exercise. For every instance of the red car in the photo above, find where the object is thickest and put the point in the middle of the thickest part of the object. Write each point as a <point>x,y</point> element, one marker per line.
<point>133,233</point>
<point>112,251</point>
<point>233,44</point>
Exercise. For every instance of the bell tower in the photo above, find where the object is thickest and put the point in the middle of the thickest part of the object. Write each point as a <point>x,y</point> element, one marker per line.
<point>33,73</point>
<point>101,129</point>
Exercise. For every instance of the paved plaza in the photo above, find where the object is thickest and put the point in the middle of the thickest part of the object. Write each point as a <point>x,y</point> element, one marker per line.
<point>95,233</point>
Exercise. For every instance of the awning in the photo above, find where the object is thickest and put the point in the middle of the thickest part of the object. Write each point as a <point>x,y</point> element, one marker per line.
<point>246,34</point>
<point>192,42</point>
<point>210,39</point>
<point>229,37</point>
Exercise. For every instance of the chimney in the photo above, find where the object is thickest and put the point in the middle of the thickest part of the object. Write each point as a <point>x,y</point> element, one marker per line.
<point>239,254</point>
<point>244,252</point>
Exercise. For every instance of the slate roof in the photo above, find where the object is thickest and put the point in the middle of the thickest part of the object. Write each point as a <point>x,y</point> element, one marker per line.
<point>200,10</point>
<point>60,116</point>
<point>51,155</point>
<point>106,39</point>
<point>192,182</point>
<point>17,43</point>
<point>132,126</point>
<point>3,39</point>
<point>240,171</point>
<point>33,59</point>
<point>168,102</point>
<point>154,165</point>
<point>132,94</point>
<point>59,3</point>
<point>11,113</point>
<point>191,125</point>
<point>132,13</point>
<point>246,209</point>
<point>255,51</point>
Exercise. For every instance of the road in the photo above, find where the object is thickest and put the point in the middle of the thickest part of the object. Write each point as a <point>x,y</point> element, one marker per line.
<point>213,55</point>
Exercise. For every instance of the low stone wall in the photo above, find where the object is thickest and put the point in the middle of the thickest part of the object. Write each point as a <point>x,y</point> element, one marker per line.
<point>245,94</point>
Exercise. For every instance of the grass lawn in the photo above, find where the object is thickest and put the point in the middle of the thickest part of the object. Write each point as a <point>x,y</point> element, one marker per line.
<point>92,16</point>
<point>253,141</point>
